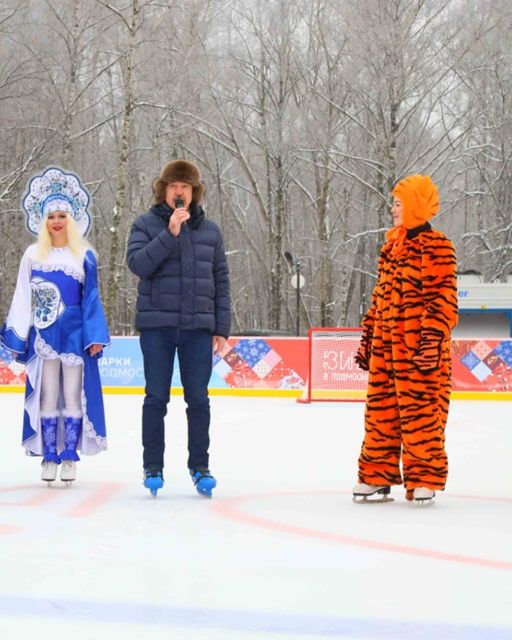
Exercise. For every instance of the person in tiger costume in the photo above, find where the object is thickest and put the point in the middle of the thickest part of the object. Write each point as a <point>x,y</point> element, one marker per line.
<point>405,347</point>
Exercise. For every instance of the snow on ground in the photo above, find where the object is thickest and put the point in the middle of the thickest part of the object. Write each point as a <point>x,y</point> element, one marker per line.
<point>279,552</point>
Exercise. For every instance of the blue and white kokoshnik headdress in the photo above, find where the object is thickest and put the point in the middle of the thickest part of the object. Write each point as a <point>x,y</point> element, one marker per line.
<point>56,190</point>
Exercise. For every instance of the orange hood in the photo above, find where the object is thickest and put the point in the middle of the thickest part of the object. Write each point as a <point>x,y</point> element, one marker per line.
<point>420,199</point>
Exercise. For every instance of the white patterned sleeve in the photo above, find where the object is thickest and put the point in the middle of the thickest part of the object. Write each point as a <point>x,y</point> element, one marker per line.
<point>15,332</point>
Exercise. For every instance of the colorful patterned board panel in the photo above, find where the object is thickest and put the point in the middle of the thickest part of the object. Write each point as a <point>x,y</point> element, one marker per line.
<point>245,363</point>
<point>261,363</point>
<point>281,363</point>
<point>482,365</point>
<point>11,373</point>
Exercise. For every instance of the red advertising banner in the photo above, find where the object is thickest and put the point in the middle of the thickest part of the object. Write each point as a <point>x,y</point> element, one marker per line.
<point>281,365</point>
<point>262,363</point>
<point>333,373</point>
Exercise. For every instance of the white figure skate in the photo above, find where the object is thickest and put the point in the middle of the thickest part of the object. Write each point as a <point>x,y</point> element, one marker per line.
<point>423,496</point>
<point>68,471</point>
<point>363,493</point>
<point>49,472</point>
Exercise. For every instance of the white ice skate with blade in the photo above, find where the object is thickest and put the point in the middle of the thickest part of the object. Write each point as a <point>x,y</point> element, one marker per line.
<point>49,472</point>
<point>363,492</point>
<point>68,471</point>
<point>423,495</point>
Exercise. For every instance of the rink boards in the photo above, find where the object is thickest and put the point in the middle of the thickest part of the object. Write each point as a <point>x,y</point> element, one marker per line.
<point>278,367</point>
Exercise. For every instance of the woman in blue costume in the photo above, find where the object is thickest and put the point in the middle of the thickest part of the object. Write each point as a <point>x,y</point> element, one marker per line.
<point>56,327</point>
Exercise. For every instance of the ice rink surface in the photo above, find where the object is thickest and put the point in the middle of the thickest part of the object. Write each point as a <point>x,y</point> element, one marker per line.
<point>279,552</point>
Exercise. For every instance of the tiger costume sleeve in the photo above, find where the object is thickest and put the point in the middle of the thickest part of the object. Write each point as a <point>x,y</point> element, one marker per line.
<point>362,357</point>
<point>439,288</point>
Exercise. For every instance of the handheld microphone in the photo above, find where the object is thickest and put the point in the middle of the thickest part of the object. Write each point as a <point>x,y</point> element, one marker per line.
<point>178,203</point>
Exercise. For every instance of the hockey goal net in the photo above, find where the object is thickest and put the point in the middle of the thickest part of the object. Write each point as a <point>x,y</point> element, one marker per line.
<point>333,376</point>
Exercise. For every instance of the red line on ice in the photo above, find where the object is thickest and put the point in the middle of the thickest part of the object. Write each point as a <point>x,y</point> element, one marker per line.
<point>229,508</point>
<point>100,496</point>
<point>38,497</point>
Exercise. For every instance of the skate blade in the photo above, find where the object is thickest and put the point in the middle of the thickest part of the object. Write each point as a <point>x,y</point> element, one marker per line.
<point>153,484</point>
<point>423,502</point>
<point>358,499</point>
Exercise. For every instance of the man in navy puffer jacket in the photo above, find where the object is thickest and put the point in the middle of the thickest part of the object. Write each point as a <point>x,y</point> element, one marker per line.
<point>183,306</point>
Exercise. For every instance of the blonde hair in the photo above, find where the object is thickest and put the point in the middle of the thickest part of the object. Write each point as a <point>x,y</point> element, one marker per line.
<point>76,242</point>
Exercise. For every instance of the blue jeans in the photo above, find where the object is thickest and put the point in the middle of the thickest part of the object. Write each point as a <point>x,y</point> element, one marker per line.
<point>194,347</point>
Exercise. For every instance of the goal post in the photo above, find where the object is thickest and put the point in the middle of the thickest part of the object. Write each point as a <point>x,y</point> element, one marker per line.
<point>333,375</point>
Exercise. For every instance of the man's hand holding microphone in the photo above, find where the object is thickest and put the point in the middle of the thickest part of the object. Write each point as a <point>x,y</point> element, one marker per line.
<point>179,216</point>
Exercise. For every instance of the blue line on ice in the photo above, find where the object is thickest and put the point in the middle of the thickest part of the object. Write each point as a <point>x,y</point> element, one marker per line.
<point>248,621</point>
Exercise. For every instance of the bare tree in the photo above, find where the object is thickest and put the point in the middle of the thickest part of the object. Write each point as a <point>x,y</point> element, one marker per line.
<point>483,189</point>
<point>130,26</point>
<point>301,116</point>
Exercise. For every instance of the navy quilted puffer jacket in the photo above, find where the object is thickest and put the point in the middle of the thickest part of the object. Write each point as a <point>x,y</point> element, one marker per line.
<point>184,280</point>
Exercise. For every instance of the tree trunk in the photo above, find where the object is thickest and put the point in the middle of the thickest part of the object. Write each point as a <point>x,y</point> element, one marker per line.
<point>114,266</point>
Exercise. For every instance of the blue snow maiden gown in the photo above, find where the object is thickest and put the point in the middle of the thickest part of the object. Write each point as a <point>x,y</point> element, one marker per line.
<point>56,312</point>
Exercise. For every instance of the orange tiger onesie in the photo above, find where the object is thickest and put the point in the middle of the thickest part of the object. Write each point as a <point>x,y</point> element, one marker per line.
<point>406,348</point>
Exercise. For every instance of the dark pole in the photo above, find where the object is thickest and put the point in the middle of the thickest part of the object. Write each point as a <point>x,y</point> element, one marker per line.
<point>297,282</point>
